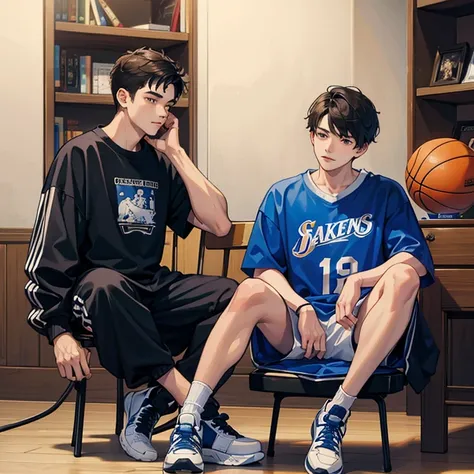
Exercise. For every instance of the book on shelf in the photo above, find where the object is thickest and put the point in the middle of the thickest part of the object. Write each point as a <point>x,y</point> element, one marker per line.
<point>99,14</point>
<point>65,130</point>
<point>101,78</point>
<point>152,27</point>
<point>170,13</point>
<point>88,12</point>
<point>76,73</point>
<point>165,15</point>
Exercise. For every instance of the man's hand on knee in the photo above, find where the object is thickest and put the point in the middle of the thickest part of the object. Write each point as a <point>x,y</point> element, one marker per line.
<point>313,337</point>
<point>71,358</point>
<point>346,302</point>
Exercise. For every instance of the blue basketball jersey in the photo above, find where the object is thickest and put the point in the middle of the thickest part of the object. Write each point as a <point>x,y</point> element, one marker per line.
<point>317,240</point>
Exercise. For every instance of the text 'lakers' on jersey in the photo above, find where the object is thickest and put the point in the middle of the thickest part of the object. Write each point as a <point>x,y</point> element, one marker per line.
<point>317,240</point>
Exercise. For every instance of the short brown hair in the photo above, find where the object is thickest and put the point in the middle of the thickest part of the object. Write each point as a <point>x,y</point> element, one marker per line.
<point>349,111</point>
<point>145,66</point>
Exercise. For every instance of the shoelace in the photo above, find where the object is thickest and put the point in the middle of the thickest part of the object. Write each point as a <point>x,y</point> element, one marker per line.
<point>220,421</point>
<point>146,420</point>
<point>185,437</point>
<point>330,436</point>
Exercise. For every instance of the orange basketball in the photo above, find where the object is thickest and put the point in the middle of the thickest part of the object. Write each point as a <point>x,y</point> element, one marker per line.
<point>440,176</point>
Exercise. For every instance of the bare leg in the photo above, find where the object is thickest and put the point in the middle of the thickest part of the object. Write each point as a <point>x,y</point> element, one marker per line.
<point>383,318</point>
<point>255,303</point>
<point>176,385</point>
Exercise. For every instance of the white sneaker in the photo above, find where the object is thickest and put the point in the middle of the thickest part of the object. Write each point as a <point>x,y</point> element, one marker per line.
<point>221,444</point>
<point>185,452</point>
<point>142,417</point>
<point>327,431</point>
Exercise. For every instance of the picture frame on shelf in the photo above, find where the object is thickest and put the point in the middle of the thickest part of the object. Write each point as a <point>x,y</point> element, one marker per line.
<point>469,76</point>
<point>464,131</point>
<point>449,65</point>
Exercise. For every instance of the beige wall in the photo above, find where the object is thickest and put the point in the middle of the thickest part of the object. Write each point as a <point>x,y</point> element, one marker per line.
<point>254,89</point>
<point>380,71</point>
<point>21,130</point>
<point>261,65</point>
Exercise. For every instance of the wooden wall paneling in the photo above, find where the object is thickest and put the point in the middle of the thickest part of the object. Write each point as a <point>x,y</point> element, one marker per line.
<point>46,353</point>
<point>38,383</point>
<point>42,383</point>
<point>23,341</point>
<point>3,304</point>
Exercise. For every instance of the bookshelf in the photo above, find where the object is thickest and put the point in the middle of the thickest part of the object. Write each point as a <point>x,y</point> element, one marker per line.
<point>448,305</point>
<point>104,99</point>
<point>106,44</point>
<point>70,34</point>
<point>459,94</point>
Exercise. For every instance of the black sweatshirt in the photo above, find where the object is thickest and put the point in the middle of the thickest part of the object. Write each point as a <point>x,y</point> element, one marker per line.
<point>100,206</point>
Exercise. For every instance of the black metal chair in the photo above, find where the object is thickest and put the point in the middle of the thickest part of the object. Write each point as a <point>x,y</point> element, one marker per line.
<point>87,341</point>
<point>284,385</point>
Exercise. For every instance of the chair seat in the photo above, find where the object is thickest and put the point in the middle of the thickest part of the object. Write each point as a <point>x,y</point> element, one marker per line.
<point>292,384</point>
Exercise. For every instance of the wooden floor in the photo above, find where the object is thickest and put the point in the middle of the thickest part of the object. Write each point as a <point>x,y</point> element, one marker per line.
<point>44,446</point>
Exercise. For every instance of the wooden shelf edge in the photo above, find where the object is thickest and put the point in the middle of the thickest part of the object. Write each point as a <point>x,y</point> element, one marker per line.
<point>430,3</point>
<point>14,235</point>
<point>446,222</point>
<point>449,7</point>
<point>446,89</point>
<point>70,27</point>
<point>98,99</point>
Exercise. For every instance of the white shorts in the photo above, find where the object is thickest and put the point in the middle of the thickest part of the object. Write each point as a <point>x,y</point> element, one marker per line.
<point>339,341</point>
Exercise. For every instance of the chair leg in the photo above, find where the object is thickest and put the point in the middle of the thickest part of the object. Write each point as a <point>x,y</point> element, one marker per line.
<point>387,465</point>
<point>79,418</point>
<point>119,408</point>
<point>76,415</point>
<point>278,397</point>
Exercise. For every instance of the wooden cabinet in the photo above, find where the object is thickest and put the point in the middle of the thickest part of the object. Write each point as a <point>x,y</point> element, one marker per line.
<point>448,307</point>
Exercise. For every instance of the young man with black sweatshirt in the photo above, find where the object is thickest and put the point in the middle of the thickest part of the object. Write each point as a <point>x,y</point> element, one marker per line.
<point>94,258</point>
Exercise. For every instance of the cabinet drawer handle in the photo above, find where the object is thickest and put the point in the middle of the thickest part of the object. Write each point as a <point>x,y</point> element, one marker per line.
<point>430,237</point>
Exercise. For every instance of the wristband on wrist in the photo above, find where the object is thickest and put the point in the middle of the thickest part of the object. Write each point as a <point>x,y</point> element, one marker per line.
<point>301,306</point>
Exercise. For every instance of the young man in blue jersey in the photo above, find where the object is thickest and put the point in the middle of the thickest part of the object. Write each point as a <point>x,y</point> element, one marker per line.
<point>335,260</point>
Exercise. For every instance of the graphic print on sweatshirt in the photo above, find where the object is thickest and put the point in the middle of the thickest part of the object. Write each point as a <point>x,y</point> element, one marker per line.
<point>136,205</point>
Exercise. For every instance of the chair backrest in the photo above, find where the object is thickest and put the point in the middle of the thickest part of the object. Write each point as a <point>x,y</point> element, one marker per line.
<point>237,238</point>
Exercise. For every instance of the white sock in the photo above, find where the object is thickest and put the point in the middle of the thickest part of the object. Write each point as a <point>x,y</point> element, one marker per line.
<point>198,396</point>
<point>341,398</point>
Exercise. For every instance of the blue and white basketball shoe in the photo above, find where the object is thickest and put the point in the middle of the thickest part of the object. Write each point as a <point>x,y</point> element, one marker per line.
<point>327,431</point>
<point>185,451</point>
<point>142,416</point>
<point>221,444</point>
<point>135,438</point>
<point>215,442</point>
